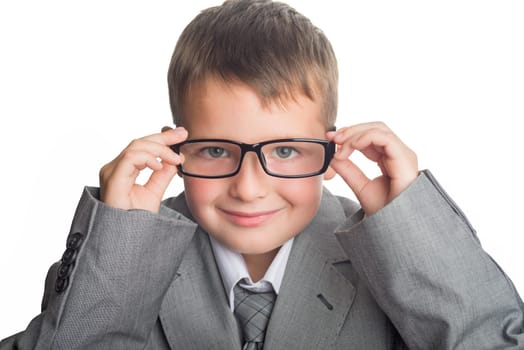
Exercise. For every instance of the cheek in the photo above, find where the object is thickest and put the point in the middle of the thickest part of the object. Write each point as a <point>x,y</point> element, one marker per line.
<point>303,192</point>
<point>200,192</point>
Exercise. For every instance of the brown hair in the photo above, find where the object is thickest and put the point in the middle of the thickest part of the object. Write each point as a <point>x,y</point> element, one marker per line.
<point>267,45</point>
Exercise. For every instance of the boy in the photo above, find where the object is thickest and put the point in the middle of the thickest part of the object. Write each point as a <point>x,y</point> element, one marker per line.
<point>253,89</point>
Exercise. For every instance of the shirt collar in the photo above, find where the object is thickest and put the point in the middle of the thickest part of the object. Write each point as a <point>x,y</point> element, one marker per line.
<point>233,269</point>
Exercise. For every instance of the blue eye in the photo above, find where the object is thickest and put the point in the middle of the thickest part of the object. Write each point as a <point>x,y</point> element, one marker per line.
<point>215,152</point>
<point>285,152</point>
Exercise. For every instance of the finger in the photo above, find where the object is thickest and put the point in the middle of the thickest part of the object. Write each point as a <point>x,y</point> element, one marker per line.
<point>103,176</point>
<point>344,148</point>
<point>343,151</point>
<point>330,135</point>
<point>383,145</point>
<point>395,159</point>
<point>343,138</point>
<point>127,166</point>
<point>374,153</point>
<point>160,179</point>
<point>106,171</point>
<point>121,174</point>
<point>358,128</point>
<point>155,149</point>
<point>379,144</point>
<point>350,133</point>
<point>348,141</point>
<point>167,137</point>
<point>351,174</point>
<point>120,182</point>
<point>375,143</point>
<point>376,137</point>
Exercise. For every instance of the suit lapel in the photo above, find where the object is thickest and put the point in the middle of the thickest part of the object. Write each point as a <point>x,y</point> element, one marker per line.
<point>313,303</point>
<point>314,298</point>
<point>195,312</point>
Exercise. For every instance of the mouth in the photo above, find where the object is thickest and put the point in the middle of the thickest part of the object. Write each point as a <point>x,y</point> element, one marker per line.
<point>249,219</point>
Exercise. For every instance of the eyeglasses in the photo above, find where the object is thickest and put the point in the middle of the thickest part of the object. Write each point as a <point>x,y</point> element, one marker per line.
<point>286,158</point>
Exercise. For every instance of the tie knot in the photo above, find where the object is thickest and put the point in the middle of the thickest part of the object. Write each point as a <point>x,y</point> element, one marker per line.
<point>253,310</point>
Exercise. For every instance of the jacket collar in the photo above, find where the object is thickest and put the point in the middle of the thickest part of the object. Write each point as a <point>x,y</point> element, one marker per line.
<point>195,313</point>
<point>315,296</point>
<point>313,302</point>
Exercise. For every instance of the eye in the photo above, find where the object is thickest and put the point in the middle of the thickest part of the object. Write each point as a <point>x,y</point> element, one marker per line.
<point>215,152</point>
<point>285,152</point>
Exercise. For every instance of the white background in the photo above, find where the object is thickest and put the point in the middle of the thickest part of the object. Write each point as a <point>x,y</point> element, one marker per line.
<point>79,80</point>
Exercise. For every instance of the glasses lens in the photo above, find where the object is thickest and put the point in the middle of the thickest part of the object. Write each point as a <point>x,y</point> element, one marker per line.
<point>208,158</point>
<point>293,158</point>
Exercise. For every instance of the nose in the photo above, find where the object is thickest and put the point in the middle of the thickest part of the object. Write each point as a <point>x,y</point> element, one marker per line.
<point>251,182</point>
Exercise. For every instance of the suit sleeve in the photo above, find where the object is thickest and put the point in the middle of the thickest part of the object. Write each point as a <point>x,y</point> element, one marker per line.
<point>106,291</point>
<point>423,263</point>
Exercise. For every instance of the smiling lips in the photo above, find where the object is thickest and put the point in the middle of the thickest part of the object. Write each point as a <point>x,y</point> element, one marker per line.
<point>251,219</point>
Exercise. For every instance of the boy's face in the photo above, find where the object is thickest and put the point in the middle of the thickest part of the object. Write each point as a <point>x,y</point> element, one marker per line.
<point>251,212</point>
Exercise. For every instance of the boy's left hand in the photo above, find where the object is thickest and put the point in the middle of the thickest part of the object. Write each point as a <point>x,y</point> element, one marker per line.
<point>378,143</point>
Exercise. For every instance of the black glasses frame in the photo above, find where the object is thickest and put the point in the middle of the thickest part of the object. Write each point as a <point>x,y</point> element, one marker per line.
<point>329,151</point>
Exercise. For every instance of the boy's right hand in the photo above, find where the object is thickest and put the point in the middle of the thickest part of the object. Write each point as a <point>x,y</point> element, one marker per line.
<point>118,187</point>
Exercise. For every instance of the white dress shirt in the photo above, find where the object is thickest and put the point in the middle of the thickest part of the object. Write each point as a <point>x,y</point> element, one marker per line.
<point>233,269</point>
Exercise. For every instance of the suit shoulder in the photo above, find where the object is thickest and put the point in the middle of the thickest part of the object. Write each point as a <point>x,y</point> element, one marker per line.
<point>339,204</point>
<point>349,206</point>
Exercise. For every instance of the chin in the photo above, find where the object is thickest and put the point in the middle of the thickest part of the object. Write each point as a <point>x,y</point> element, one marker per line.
<point>254,247</point>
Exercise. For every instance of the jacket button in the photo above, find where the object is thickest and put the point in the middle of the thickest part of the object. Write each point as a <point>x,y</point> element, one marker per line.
<point>69,256</point>
<point>74,241</point>
<point>64,270</point>
<point>61,284</point>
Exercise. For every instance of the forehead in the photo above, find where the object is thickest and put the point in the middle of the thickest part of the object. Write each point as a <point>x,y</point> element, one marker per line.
<point>234,110</point>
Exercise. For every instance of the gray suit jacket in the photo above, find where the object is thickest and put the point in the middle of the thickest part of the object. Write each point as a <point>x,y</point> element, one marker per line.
<point>413,275</point>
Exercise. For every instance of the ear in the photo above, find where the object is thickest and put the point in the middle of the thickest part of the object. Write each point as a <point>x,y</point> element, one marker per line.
<point>330,173</point>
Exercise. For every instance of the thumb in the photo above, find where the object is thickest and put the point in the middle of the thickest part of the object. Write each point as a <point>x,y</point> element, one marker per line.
<point>351,174</point>
<point>160,179</point>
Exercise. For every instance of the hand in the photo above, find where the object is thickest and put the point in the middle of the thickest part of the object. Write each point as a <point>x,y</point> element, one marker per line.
<point>118,187</point>
<point>378,143</point>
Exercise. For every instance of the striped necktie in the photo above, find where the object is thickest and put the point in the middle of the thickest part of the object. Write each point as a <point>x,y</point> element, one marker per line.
<point>253,310</point>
